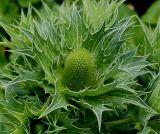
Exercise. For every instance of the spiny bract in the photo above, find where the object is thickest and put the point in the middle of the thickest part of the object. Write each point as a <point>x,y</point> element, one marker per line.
<point>66,63</point>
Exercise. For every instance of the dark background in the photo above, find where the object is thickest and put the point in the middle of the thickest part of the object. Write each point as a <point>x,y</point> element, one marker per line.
<point>140,5</point>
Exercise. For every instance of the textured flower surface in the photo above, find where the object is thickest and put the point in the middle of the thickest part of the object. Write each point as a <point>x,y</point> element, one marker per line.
<point>79,70</point>
<point>72,72</point>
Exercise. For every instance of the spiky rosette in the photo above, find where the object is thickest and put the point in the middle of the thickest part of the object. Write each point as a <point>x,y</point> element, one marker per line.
<point>70,65</point>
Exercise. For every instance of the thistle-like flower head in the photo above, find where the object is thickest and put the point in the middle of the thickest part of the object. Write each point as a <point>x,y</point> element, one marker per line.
<point>79,70</point>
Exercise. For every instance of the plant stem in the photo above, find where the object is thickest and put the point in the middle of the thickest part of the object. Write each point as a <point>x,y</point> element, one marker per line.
<point>119,122</point>
<point>5,44</point>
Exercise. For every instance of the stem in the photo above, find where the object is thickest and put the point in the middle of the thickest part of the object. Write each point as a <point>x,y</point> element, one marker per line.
<point>5,44</point>
<point>119,122</point>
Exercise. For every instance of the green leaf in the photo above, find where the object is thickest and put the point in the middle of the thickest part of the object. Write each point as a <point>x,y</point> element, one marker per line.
<point>152,14</point>
<point>96,13</point>
<point>148,130</point>
<point>8,11</point>
<point>76,32</point>
<point>96,106</point>
<point>154,124</point>
<point>25,3</point>
<point>125,11</point>
<point>144,116</point>
<point>57,103</point>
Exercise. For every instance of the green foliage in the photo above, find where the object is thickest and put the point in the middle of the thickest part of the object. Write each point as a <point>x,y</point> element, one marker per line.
<point>8,11</point>
<point>154,97</point>
<point>152,14</point>
<point>25,3</point>
<point>125,11</point>
<point>150,42</point>
<point>88,45</point>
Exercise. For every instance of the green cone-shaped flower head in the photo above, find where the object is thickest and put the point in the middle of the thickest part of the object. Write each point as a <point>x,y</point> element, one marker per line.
<point>79,70</point>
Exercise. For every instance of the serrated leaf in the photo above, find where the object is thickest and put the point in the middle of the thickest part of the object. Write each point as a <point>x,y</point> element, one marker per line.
<point>97,107</point>
<point>57,103</point>
<point>76,31</point>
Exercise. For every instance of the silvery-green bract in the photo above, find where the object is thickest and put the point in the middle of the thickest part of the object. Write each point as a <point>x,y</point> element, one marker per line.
<point>71,72</point>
